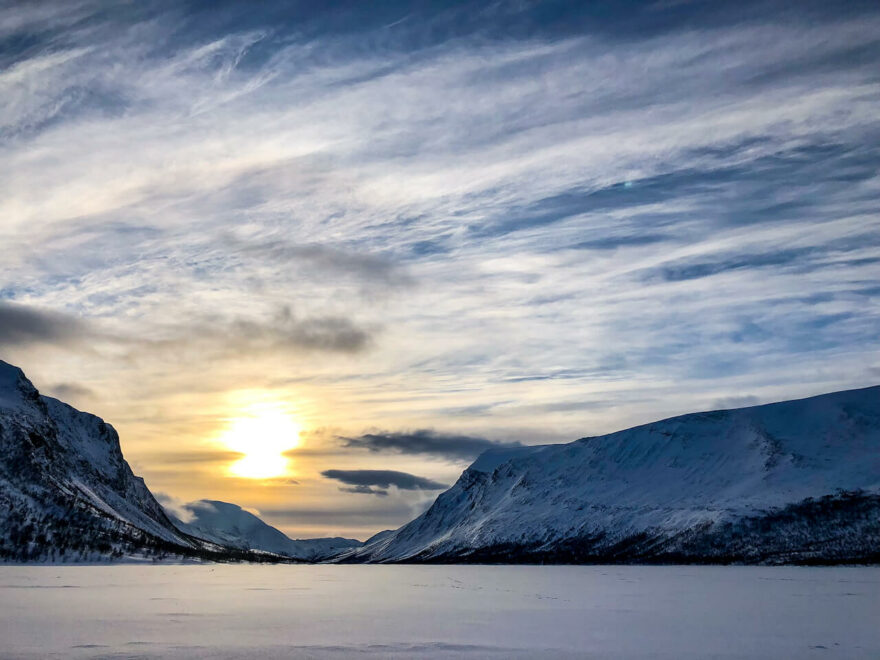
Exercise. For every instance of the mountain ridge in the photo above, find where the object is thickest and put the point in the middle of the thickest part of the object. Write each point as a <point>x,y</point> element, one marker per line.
<point>799,480</point>
<point>229,525</point>
<point>67,493</point>
<point>789,482</point>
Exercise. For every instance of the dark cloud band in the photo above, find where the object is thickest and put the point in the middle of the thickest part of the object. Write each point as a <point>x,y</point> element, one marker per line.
<point>426,442</point>
<point>377,482</point>
<point>22,324</point>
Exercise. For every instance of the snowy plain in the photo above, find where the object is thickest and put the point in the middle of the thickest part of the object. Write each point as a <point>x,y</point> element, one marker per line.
<point>327,611</point>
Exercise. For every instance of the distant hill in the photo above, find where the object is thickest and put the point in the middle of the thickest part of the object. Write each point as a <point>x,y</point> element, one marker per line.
<point>230,525</point>
<point>792,482</point>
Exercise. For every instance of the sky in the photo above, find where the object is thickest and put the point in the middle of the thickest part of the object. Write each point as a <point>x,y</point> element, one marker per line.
<point>313,258</point>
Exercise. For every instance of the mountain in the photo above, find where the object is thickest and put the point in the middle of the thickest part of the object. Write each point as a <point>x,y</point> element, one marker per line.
<point>231,526</point>
<point>67,493</point>
<point>791,482</point>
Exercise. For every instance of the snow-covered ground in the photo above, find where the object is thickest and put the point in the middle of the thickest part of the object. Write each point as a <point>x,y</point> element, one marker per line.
<point>325,611</point>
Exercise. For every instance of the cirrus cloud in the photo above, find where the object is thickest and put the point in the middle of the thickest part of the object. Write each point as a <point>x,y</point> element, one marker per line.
<point>532,221</point>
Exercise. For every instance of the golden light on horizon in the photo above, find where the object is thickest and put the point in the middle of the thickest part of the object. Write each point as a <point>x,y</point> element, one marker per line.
<point>263,432</point>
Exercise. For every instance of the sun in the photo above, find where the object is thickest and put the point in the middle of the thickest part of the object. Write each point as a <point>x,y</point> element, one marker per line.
<point>262,432</point>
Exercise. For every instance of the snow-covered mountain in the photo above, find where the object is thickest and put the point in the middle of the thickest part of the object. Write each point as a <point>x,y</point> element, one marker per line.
<point>67,493</point>
<point>230,525</point>
<point>797,481</point>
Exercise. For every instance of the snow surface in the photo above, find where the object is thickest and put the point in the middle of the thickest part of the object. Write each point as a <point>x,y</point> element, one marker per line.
<point>660,480</point>
<point>328,612</point>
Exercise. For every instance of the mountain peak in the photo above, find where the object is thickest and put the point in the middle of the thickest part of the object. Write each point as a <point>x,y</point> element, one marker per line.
<point>63,477</point>
<point>15,388</point>
<point>230,525</point>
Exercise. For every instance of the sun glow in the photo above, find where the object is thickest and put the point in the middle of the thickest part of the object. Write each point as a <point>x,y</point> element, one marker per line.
<point>263,432</point>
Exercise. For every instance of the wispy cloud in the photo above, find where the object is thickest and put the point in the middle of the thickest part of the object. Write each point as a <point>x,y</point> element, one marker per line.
<point>501,221</point>
<point>326,333</point>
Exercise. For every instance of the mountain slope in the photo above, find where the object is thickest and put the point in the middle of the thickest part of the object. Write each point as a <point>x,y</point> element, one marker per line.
<point>797,481</point>
<point>67,493</point>
<point>230,525</point>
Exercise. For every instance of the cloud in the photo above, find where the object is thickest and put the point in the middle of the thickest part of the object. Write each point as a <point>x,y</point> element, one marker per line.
<point>426,442</point>
<point>188,512</point>
<point>645,207</point>
<point>365,490</point>
<point>24,324</point>
<point>277,332</point>
<point>176,507</point>
<point>739,401</point>
<point>70,391</point>
<point>367,269</point>
<point>377,482</point>
<point>192,457</point>
<point>324,333</point>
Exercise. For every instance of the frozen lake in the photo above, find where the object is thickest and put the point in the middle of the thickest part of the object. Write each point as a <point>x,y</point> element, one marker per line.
<point>218,611</point>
